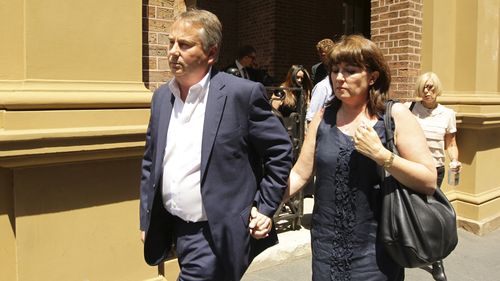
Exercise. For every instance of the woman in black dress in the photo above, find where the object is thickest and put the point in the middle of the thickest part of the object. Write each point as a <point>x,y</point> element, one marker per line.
<point>344,147</point>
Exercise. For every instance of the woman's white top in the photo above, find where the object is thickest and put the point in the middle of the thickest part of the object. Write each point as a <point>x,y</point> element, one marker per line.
<point>436,123</point>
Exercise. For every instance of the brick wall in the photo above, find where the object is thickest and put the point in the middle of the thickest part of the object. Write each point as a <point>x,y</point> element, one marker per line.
<point>396,27</point>
<point>283,32</point>
<point>157,16</point>
<point>227,12</point>
<point>257,26</point>
<point>245,22</point>
<point>301,24</point>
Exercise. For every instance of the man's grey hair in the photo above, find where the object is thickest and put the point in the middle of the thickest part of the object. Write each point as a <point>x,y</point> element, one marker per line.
<point>209,27</point>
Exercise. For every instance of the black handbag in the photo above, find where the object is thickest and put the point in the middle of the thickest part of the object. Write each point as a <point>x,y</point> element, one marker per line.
<point>415,229</point>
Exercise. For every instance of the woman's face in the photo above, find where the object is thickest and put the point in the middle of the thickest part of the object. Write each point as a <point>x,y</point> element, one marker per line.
<point>350,81</point>
<point>428,93</point>
<point>299,77</point>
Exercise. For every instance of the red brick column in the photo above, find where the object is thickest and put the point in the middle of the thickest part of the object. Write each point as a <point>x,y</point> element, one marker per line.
<point>396,27</point>
<point>158,15</point>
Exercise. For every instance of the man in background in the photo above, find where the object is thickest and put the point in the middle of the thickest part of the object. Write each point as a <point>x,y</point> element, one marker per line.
<point>244,62</point>
<point>319,71</point>
<point>320,95</point>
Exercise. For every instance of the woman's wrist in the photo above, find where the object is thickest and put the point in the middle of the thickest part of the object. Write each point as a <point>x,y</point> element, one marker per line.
<point>388,161</point>
<point>384,157</point>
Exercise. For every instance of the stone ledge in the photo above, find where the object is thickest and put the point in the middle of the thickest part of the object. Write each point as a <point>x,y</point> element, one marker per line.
<point>64,94</point>
<point>479,227</point>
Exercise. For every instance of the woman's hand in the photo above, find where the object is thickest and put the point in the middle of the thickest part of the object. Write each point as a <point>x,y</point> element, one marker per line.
<point>367,142</point>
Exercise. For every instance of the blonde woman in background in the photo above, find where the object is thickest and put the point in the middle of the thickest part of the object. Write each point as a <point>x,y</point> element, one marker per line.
<point>439,125</point>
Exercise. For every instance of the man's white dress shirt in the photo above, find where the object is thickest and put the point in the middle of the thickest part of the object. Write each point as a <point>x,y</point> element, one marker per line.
<point>321,94</point>
<point>242,69</point>
<point>181,164</point>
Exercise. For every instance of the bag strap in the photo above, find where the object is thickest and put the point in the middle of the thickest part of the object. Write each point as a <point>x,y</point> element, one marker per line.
<point>388,125</point>
<point>412,105</point>
<point>389,136</point>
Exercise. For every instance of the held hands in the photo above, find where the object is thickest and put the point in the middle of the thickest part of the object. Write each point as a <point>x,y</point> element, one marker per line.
<point>259,225</point>
<point>143,236</point>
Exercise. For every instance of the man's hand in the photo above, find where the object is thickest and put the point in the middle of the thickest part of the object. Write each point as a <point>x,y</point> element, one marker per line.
<point>259,225</point>
<point>143,236</point>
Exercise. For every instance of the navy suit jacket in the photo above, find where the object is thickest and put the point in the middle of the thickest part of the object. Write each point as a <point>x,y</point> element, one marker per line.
<point>318,72</point>
<point>246,159</point>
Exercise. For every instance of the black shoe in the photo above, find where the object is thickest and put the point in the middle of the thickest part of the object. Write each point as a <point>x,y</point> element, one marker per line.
<point>438,271</point>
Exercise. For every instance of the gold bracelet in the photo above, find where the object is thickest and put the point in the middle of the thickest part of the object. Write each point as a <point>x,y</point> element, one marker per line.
<point>388,162</point>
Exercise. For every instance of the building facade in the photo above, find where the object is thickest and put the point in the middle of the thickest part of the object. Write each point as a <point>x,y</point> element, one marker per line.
<point>75,85</point>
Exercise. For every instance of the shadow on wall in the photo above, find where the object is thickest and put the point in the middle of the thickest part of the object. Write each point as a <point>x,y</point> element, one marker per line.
<point>7,196</point>
<point>65,187</point>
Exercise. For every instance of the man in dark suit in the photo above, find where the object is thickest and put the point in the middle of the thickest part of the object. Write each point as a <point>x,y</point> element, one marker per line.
<point>216,161</point>
<point>246,66</point>
<point>319,71</point>
<point>244,62</point>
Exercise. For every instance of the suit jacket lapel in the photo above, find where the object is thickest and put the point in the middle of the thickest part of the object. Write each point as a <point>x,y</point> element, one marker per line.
<point>166,106</point>
<point>213,114</point>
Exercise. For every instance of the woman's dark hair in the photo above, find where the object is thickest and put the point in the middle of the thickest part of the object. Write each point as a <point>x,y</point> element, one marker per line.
<point>290,81</point>
<point>359,51</point>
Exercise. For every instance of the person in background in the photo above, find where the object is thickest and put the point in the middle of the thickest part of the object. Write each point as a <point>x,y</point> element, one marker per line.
<point>284,102</point>
<point>259,74</point>
<point>244,62</point>
<point>344,147</point>
<point>216,161</point>
<point>439,125</point>
<point>296,77</point>
<point>319,71</point>
<point>320,95</point>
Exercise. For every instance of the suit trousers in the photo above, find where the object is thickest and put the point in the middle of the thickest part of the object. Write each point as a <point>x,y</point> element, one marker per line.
<point>195,254</point>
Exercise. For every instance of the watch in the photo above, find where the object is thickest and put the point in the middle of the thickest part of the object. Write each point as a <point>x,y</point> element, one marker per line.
<point>388,162</point>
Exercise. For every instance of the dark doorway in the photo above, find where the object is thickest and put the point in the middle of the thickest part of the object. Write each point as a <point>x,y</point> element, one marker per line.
<point>285,32</point>
<point>356,17</point>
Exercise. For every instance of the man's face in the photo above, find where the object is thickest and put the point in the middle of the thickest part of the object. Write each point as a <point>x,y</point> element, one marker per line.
<point>248,60</point>
<point>187,59</point>
<point>322,55</point>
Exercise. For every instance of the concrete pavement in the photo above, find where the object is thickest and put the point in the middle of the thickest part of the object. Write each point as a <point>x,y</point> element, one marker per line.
<point>476,258</point>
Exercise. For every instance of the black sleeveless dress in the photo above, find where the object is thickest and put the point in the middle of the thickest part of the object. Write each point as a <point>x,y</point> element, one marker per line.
<point>346,210</point>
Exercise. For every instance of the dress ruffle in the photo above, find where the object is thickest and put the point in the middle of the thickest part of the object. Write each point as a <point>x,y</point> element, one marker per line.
<point>344,218</point>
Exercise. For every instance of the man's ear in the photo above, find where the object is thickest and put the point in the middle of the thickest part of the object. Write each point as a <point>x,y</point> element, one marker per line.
<point>212,55</point>
<point>373,77</point>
